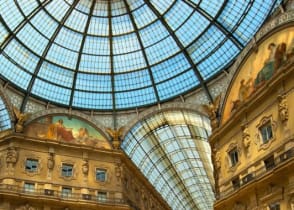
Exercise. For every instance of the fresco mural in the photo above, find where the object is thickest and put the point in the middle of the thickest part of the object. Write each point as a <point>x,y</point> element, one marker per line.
<point>63,128</point>
<point>274,53</point>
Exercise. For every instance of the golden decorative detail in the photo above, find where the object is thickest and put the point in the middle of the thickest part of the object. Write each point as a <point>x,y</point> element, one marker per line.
<point>116,136</point>
<point>212,110</point>
<point>20,119</point>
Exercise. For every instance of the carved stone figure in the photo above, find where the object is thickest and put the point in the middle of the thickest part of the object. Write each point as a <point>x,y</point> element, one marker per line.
<point>212,110</point>
<point>20,120</point>
<point>50,162</point>
<point>11,156</point>
<point>283,108</point>
<point>116,136</point>
<point>215,157</point>
<point>85,167</point>
<point>245,136</point>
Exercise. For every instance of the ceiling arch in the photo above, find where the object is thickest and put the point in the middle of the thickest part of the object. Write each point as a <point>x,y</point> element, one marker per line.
<point>171,150</point>
<point>121,54</point>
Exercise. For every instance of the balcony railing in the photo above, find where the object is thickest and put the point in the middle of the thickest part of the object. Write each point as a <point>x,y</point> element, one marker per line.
<point>16,189</point>
<point>264,169</point>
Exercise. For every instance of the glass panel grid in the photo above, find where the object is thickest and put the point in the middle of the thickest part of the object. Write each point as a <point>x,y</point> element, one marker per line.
<point>56,74</point>
<point>132,80</point>
<point>135,98</point>
<point>94,64</point>
<point>178,14</point>
<point>11,14</point>
<point>93,82</point>
<point>19,54</point>
<point>177,85</point>
<point>160,153</point>
<point>179,24</point>
<point>5,122</point>
<point>55,93</point>
<point>218,60</point>
<point>14,73</point>
<point>93,100</point>
<point>188,31</point>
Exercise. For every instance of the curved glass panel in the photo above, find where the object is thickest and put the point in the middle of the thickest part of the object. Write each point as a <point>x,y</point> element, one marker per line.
<point>5,122</point>
<point>147,51</point>
<point>172,151</point>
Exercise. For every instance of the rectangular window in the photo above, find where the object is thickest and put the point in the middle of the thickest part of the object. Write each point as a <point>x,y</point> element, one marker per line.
<point>269,163</point>
<point>31,165</point>
<point>29,187</point>
<point>102,196</point>
<point>67,170</point>
<point>234,156</point>
<point>101,175</point>
<point>274,206</point>
<point>266,132</point>
<point>66,192</point>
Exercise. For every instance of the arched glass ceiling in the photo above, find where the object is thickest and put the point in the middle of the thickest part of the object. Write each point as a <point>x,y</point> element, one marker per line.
<point>172,151</point>
<point>121,54</point>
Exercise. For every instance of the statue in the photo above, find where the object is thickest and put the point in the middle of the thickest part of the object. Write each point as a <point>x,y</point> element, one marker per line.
<point>116,136</point>
<point>85,167</point>
<point>215,158</point>
<point>11,156</point>
<point>245,136</point>
<point>283,108</point>
<point>50,162</point>
<point>212,110</point>
<point>20,120</point>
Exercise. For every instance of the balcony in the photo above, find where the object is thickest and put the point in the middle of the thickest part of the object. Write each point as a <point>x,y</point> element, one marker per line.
<point>16,190</point>
<point>266,167</point>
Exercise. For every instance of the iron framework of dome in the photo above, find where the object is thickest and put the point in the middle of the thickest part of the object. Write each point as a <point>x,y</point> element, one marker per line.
<point>121,54</point>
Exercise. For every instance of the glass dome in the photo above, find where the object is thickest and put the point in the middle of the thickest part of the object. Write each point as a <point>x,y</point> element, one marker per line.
<point>121,54</point>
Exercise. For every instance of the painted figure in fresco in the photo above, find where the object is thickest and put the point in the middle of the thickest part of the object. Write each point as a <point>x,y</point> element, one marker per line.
<point>212,110</point>
<point>59,132</point>
<point>83,134</point>
<point>245,89</point>
<point>277,57</point>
